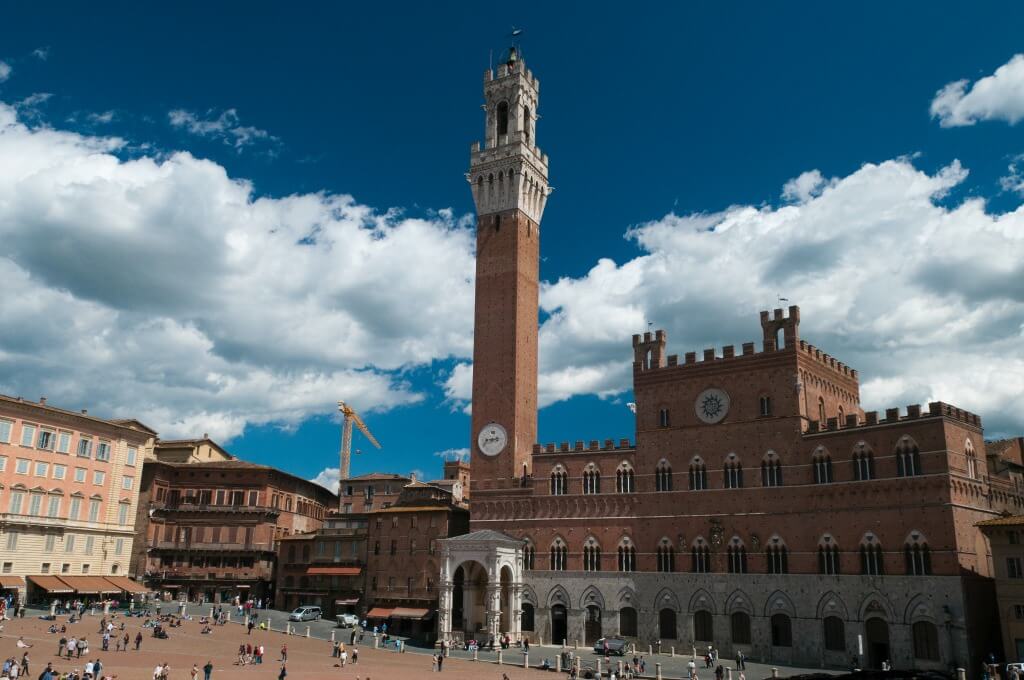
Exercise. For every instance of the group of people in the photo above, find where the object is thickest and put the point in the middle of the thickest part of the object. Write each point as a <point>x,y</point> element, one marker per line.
<point>250,654</point>
<point>344,656</point>
<point>14,669</point>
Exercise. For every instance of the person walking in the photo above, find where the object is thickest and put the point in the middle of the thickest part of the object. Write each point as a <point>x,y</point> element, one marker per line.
<point>24,663</point>
<point>138,640</point>
<point>125,647</point>
<point>355,657</point>
<point>283,674</point>
<point>195,672</point>
<point>61,645</point>
<point>440,664</point>
<point>741,661</point>
<point>284,653</point>
<point>208,670</point>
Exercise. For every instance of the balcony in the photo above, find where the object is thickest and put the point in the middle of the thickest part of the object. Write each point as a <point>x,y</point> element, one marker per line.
<point>183,507</point>
<point>209,574</point>
<point>11,518</point>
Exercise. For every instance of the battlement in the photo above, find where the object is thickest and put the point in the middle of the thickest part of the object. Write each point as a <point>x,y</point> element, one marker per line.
<point>577,447</point>
<point>504,71</point>
<point>892,415</point>
<point>649,350</point>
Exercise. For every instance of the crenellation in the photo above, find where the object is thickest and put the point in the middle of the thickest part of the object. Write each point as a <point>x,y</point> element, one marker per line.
<point>691,358</point>
<point>851,420</point>
<point>748,348</point>
<point>609,444</point>
<point>833,423</point>
<point>594,445</point>
<point>709,354</point>
<point>624,444</point>
<point>728,352</point>
<point>914,411</point>
<point>871,417</point>
<point>563,447</point>
<point>673,359</point>
<point>579,445</point>
<point>892,414</point>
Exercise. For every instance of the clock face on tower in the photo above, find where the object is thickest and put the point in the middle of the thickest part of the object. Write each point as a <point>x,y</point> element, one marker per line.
<point>492,439</point>
<point>711,406</point>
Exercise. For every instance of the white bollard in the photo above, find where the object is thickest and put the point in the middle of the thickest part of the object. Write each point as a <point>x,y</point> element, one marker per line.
<point>211,612</point>
<point>650,650</point>
<point>558,663</point>
<point>307,631</point>
<point>332,637</point>
<point>476,656</point>
<point>376,642</point>
<point>499,657</point>
<point>526,660</point>
<point>728,674</point>
<point>106,608</point>
<point>53,609</point>
<point>575,644</point>
<point>287,628</point>
<point>775,672</point>
<point>657,671</point>
<point>961,674</point>
<point>672,652</point>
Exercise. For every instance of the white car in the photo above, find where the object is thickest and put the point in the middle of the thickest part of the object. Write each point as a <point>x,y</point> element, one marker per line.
<point>347,620</point>
<point>305,614</point>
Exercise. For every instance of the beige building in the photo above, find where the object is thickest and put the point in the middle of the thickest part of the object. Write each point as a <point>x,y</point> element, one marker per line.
<point>1006,543</point>
<point>69,488</point>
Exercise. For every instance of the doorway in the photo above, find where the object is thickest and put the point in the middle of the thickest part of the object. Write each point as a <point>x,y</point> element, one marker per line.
<point>592,628</point>
<point>877,633</point>
<point>559,625</point>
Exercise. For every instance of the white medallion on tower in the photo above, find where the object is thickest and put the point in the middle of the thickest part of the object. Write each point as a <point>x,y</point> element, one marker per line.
<point>492,439</point>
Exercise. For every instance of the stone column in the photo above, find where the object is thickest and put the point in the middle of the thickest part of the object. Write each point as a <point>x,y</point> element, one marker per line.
<point>493,614</point>
<point>515,612</point>
<point>444,610</point>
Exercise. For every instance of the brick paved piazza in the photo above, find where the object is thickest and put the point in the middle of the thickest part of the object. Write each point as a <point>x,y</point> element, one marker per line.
<point>308,658</point>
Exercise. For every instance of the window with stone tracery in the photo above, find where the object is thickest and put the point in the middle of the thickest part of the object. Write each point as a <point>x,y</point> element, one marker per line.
<point>828,556</point>
<point>732,474</point>
<point>624,478</point>
<point>666,556</point>
<point>777,557</point>
<point>863,463</point>
<point>591,479</point>
<point>559,555</point>
<point>972,460</point>
<point>771,470</point>
<point>917,556</point>
<point>737,557</point>
<point>908,458</point>
<point>627,556</point>
<point>871,562</point>
<point>529,555</point>
<point>591,555</point>
<point>700,556</point>
<point>559,481</point>
<point>698,477</point>
<point>822,464</point>
<point>663,476</point>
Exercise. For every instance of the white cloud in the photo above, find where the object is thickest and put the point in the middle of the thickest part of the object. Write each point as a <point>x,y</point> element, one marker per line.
<point>101,118</point>
<point>453,454</point>
<point>925,299</point>
<point>225,127</point>
<point>328,478</point>
<point>999,96</point>
<point>805,186</point>
<point>1014,179</point>
<point>41,53</point>
<point>5,71</point>
<point>161,288</point>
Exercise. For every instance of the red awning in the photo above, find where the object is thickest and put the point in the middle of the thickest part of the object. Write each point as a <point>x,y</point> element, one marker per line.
<point>379,613</point>
<point>125,584</point>
<point>12,582</point>
<point>334,571</point>
<point>51,584</point>
<point>90,585</point>
<point>410,613</point>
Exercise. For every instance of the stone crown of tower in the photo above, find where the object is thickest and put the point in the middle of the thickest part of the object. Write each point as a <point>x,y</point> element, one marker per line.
<point>509,171</point>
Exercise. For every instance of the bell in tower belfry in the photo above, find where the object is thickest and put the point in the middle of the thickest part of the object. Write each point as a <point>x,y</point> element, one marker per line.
<point>508,175</point>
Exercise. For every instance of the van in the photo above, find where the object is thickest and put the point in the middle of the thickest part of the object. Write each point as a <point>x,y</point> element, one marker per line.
<point>611,645</point>
<point>307,613</point>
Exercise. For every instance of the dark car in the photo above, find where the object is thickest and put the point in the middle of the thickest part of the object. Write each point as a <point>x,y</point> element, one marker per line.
<point>612,645</point>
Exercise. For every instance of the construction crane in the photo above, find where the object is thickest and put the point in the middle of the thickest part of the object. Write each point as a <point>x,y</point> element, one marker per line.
<point>350,417</point>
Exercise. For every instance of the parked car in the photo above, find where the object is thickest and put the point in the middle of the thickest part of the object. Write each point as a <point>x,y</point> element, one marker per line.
<point>347,620</point>
<point>305,614</point>
<point>614,645</point>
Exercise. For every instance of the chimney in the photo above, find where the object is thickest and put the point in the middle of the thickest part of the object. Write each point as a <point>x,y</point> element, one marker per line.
<point>85,411</point>
<point>206,435</point>
<point>412,477</point>
<point>42,401</point>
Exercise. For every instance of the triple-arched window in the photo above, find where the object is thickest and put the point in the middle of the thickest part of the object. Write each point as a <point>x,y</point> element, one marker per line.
<point>700,557</point>
<point>822,463</point>
<point>732,474</point>
<point>529,555</point>
<point>828,556</point>
<point>698,474</point>
<point>663,476</point>
<point>666,556</point>
<point>871,556</point>
<point>771,470</point>
<point>737,557</point>
<point>559,481</point>
<point>559,555</point>
<point>591,555</point>
<point>863,462</point>
<point>627,555</point>
<point>624,479</point>
<point>972,460</point>
<point>777,557</point>
<point>591,479</point>
<point>908,458</point>
<point>917,555</point>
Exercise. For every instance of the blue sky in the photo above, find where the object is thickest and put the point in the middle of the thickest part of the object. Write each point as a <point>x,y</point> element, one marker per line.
<point>705,158</point>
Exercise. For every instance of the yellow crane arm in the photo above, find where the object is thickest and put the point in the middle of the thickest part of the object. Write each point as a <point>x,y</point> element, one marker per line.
<point>362,428</point>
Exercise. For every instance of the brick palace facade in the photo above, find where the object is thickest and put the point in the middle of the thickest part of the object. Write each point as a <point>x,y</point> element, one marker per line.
<point>758,507</point>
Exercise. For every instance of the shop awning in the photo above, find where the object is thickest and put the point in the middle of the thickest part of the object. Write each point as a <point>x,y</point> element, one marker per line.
<point>347,602</point>
<point>242,585</point>
<point>410,613</point>
<point>379,613</point>
<point>334,571</point>
<point>12,582</point>
<point>51,584</point>
<point>125,584</point>
<point>90,585</point>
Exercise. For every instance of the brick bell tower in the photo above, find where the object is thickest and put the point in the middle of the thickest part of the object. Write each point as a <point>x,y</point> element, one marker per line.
<point>509,179</point>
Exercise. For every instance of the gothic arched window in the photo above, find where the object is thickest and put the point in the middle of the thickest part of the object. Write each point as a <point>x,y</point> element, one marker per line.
<point>591,479</point>
<point>591,555</point>
<point>828,556</point>
<point>666,556</point>
<point>732,474</point>
<point>737,555</point>
<point>917,555</point>
<point>777,557</point>
<point>559,481</point>
<point>627,556</point>
<point>821,413</point>
<point>822,463</point>
<point>700,557</point>
<point>908,458</point>
<point>771,470</point>
<point>863,463</point>
<point>871,562</point>
<point>559,555</point>
<point>526,124</point>
<point>663,476</point>
<point>698,475</point>
<point>624,480</point>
